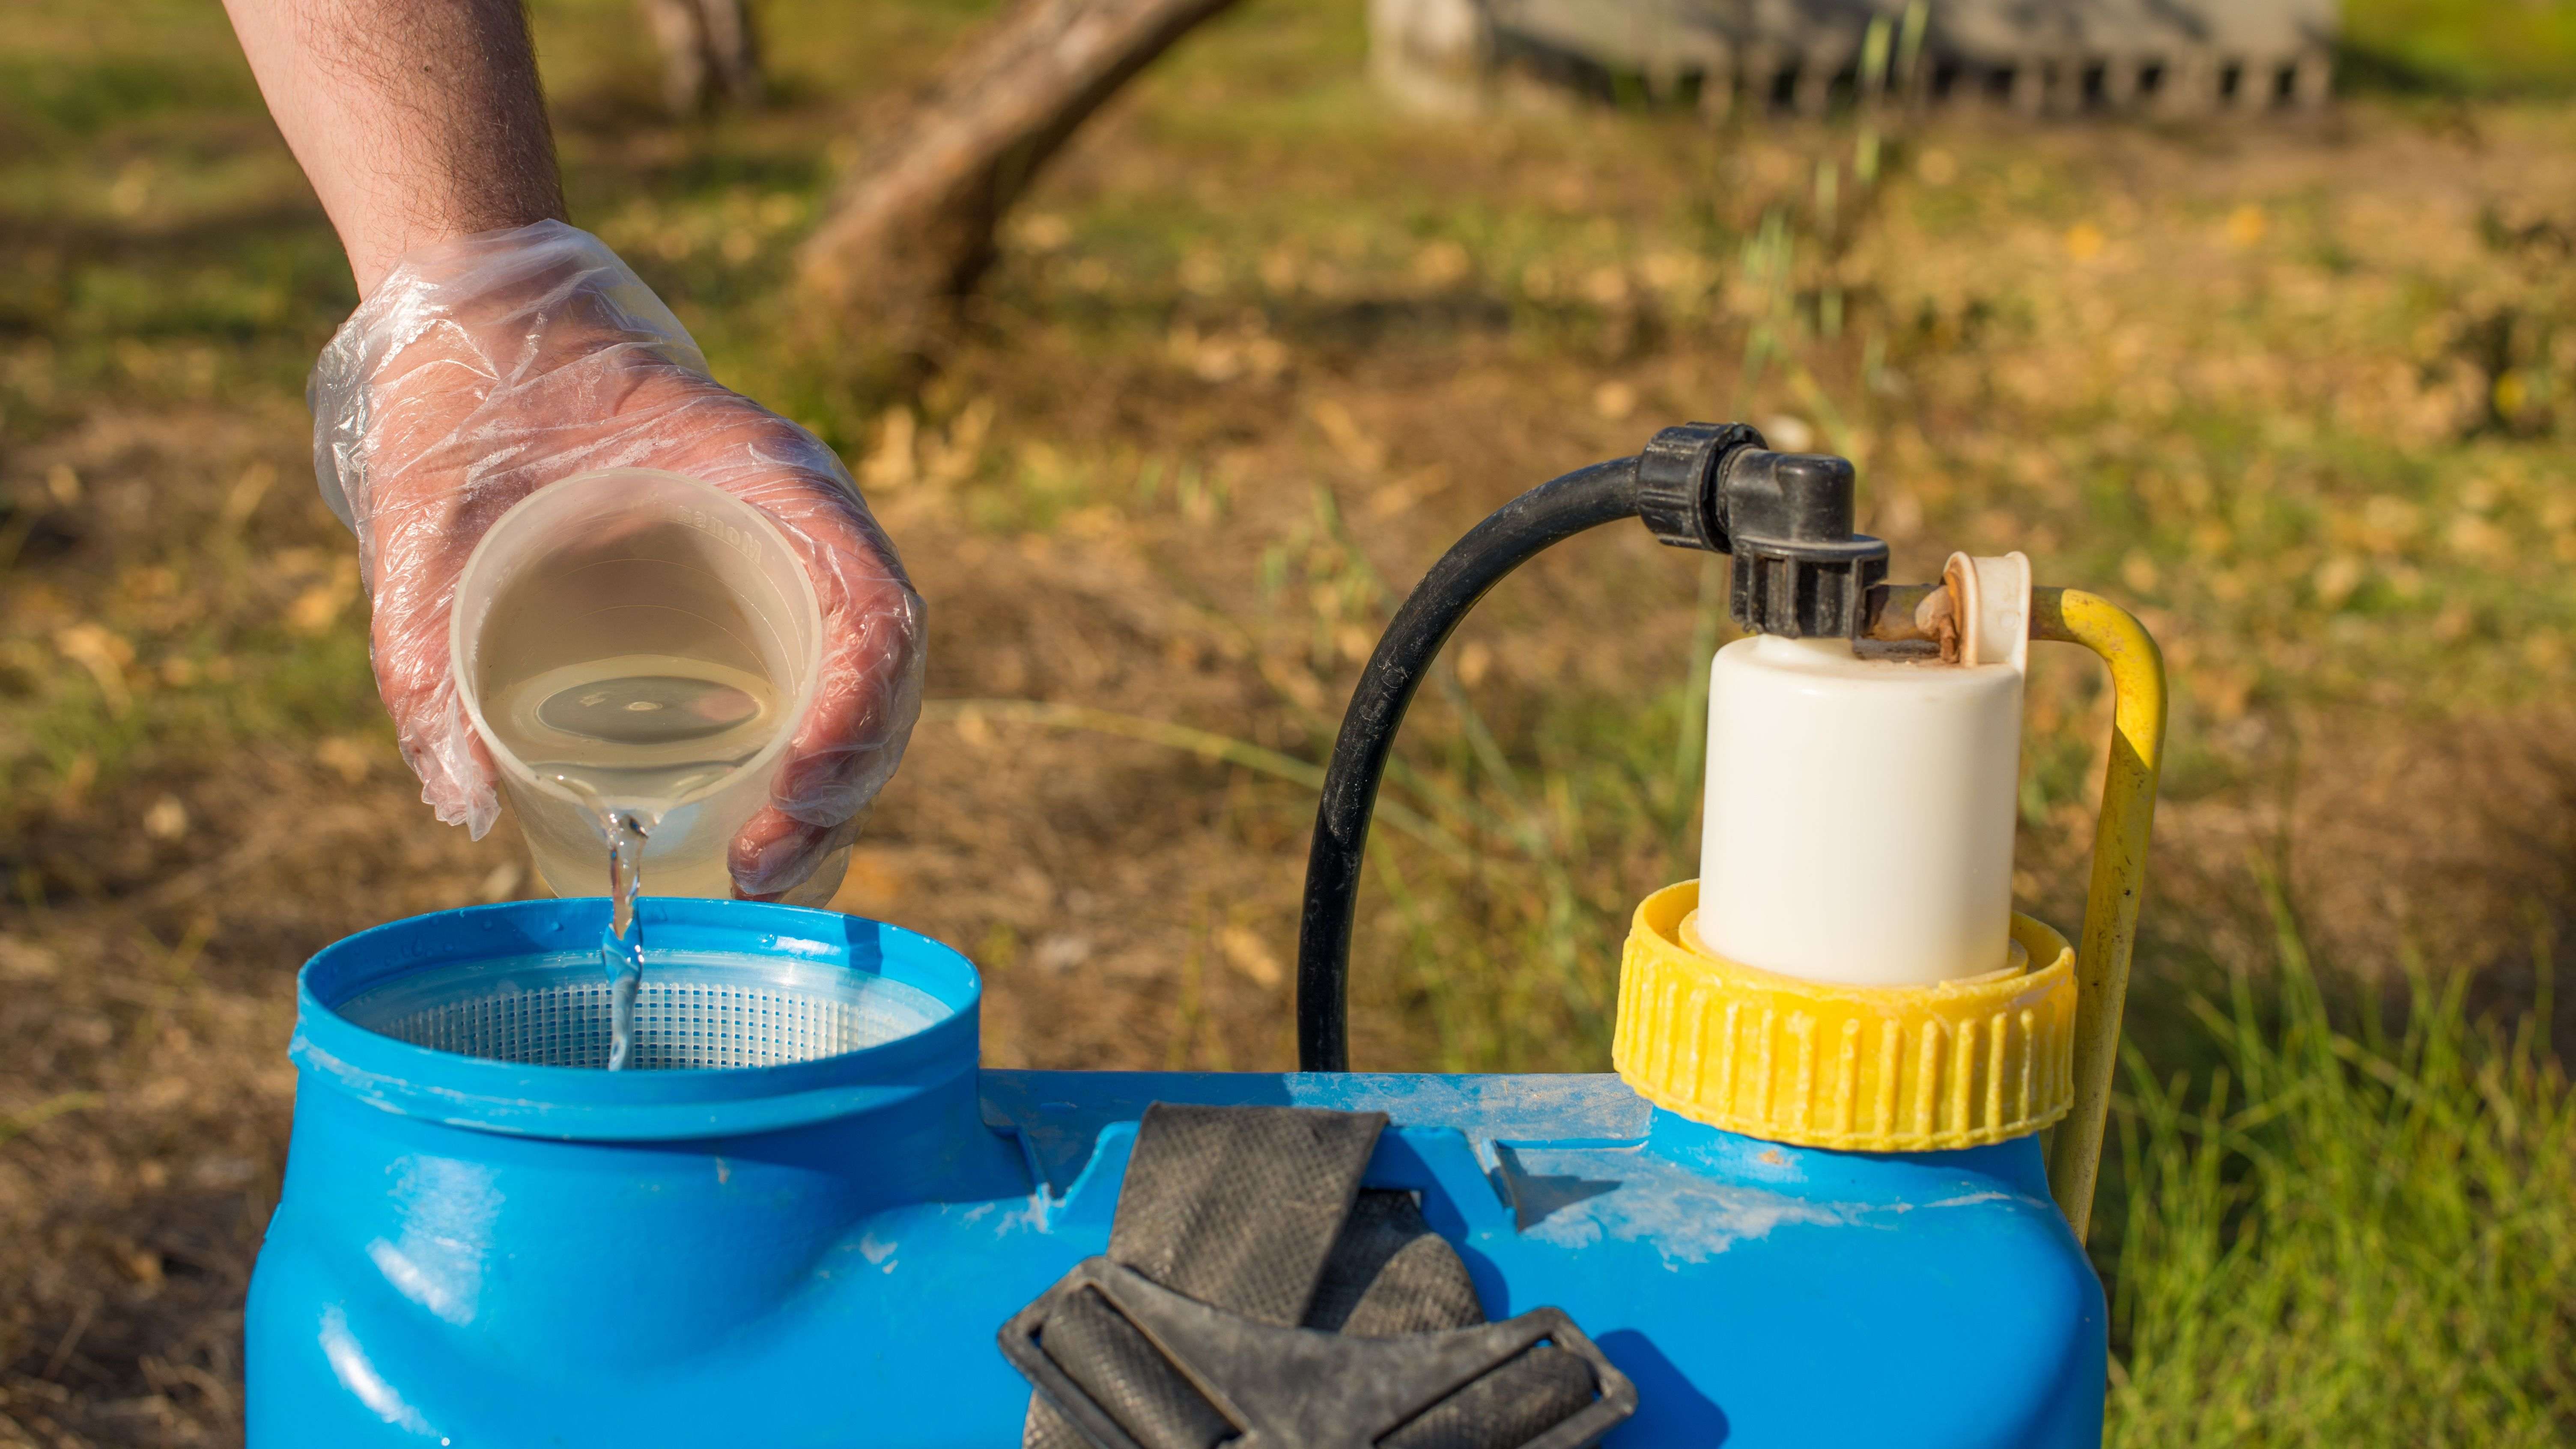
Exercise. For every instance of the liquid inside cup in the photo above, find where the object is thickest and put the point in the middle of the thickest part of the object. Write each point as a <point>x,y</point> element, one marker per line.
<point>634,645</point>
<point>640,731</point>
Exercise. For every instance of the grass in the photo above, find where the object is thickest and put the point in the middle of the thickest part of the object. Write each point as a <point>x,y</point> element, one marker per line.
<point>2347,1231</point>
<point>1257,349</point>
<point>2465,46</point>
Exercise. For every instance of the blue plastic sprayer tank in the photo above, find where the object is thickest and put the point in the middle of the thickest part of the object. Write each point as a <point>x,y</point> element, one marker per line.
<point>486,1241</point>
<point>474,1252</point>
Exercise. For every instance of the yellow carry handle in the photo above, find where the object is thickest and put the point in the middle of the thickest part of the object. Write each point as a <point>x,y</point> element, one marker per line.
<point>2071,616</point>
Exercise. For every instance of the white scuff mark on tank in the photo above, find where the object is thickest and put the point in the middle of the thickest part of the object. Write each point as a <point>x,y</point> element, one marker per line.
<point>978,1213</point>
<point>1974,1198</point>
<point>1031,1217</point>
<point>349,1364</point>
<point>1684,1216</point>
<point>875,1251</point>
<point>1535,1106</point>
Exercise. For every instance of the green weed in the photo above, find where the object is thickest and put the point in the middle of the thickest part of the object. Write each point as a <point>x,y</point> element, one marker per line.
<point>2464,45</point>
<point>2347,1231</point>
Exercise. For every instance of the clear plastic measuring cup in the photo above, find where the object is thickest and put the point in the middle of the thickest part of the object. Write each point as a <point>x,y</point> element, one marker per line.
<point>633,639</point>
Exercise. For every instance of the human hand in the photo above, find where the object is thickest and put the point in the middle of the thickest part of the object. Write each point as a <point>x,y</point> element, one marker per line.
<point>484,368</point>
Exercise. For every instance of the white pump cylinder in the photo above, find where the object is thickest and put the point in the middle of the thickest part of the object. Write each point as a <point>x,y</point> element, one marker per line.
<point>1860,812</point>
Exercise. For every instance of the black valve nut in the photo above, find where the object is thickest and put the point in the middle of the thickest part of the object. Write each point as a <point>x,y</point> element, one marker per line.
<point>1800,571</point>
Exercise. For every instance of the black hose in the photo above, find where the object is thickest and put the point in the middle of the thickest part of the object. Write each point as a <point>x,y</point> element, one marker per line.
<point>1550,513</point>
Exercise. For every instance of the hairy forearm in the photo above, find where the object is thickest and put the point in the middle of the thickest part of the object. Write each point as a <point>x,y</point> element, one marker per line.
<point>416,120</point>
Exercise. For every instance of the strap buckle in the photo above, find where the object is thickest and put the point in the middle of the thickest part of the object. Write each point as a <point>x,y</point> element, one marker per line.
<point>1302,1388</point>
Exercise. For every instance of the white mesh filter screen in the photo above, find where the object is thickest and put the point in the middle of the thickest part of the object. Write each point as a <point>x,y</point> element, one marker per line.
<point>688,1015</point>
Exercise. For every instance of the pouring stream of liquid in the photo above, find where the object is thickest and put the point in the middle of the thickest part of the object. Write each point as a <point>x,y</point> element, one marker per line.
<point>621,947</point>
<point>633,738</point>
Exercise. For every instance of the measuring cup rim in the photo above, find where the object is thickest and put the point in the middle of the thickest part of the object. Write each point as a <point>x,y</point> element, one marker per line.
<point>470,696</point>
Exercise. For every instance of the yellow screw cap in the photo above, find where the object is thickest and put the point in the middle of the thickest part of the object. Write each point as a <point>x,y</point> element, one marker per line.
<point>1859,1068</point>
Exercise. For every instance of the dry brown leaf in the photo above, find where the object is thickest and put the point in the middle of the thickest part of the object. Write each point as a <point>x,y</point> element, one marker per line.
<point>104,655</point>
<point>350,757</point>
<point>1246,953</point>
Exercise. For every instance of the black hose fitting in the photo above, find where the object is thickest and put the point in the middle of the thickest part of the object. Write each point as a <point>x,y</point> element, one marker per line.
<point>1787,518</point>
<point>1799,568</point>
<point>1677,482</point>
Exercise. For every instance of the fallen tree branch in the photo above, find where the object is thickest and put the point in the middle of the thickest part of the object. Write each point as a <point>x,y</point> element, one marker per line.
<point>913,231</point>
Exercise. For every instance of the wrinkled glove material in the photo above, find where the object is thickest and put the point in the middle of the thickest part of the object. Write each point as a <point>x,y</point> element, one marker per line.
<point>1259,1211</point>
<point>484,368</point>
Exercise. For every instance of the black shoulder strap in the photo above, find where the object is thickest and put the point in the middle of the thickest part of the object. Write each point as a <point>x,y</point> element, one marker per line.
<point>1254,1296</point>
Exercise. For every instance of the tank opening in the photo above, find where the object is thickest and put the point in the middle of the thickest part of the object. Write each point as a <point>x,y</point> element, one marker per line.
<point>692,1011</point>
<point>2151,77</point>
<point>2285,84</point>
<point>2096,84</point>
<point>2231,81</point>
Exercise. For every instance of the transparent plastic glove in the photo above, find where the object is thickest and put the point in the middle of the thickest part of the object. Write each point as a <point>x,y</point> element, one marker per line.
<point>484,368</point>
